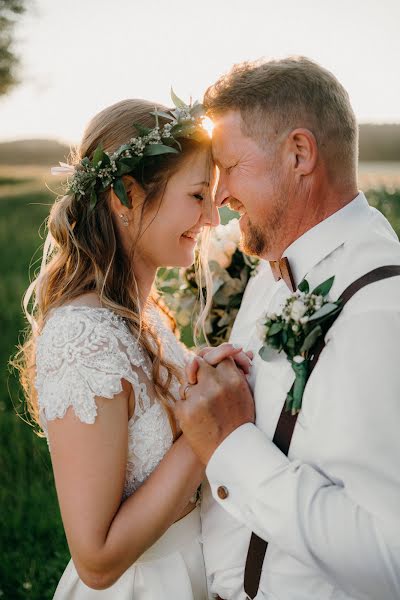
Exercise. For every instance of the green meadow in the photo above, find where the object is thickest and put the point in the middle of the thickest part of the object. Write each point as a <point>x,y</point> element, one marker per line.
<point>34,552</point>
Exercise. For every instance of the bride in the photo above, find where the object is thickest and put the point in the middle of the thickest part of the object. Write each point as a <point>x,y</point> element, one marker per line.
<point>102,367</point>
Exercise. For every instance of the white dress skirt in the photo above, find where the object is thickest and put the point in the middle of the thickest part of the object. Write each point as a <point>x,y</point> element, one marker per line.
<point>172,569</point>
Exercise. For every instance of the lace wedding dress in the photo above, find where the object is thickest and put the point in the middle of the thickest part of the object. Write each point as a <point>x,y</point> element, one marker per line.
<point>84,352</point>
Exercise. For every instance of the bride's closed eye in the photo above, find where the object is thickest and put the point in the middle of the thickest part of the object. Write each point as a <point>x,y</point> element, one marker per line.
<point>198,196</point>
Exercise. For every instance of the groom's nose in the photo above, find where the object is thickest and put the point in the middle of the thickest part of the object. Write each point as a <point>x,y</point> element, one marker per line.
<point>222,194</point>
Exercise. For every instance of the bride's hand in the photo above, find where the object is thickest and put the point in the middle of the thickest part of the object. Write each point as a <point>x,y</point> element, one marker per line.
<point>213,356</point>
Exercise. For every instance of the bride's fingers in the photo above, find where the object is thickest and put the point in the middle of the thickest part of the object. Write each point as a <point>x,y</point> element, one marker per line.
<point>215,355</point>
<point>229,347</point>
<point>191,371</point>
<point>242,359</point>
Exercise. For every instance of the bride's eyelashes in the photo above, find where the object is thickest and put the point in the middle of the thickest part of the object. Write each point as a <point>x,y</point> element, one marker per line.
<point>198,196</point>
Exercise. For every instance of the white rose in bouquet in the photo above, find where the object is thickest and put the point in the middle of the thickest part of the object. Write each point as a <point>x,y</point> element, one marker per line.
<point>232,231</point>
<point>298,310</point>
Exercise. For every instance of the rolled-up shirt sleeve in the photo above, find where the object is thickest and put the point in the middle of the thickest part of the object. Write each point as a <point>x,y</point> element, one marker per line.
<point>339,513</point>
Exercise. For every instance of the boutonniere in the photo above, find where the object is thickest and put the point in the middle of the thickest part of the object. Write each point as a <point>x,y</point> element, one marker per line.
<point>305,317</point>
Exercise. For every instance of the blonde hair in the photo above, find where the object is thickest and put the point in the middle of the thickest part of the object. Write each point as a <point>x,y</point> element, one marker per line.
<point>83,252</point>
<point>282,95</point>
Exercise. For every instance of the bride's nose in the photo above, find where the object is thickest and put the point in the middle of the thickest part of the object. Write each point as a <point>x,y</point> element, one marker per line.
<point>210,214</point>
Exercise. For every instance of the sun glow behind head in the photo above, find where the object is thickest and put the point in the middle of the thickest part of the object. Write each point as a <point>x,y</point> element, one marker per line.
<point>208,125</point>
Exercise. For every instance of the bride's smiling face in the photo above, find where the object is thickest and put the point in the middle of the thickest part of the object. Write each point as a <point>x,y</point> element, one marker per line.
<point>171,226</point>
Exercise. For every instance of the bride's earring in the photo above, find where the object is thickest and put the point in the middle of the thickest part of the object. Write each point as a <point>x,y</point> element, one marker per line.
<point>124,219</point>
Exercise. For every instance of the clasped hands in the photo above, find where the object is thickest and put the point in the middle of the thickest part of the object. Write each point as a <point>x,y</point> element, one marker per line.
<point>216,398</point>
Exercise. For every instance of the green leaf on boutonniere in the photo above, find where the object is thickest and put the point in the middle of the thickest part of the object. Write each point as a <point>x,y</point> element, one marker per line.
<point>324,311</point>
<point>324,288</point>
<point>304,286</point>
<point>267,353</point>
<point>311,339</point>
<point>274,329</point>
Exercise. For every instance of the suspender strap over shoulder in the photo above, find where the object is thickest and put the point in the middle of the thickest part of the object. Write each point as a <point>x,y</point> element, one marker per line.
<point>285,427</point>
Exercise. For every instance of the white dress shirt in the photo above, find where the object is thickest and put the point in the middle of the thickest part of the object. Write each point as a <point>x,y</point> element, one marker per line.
<point>331,510</point>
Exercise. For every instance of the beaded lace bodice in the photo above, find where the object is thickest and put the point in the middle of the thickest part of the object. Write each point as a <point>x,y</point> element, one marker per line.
<point>84,352</point>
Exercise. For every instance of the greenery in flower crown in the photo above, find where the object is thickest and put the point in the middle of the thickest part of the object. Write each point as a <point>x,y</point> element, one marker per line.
<point>231,270</point>
<point>106,170</point>
<point>305,318</point>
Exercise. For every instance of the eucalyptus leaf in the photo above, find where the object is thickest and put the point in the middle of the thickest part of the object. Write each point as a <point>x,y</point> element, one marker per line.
<point>120,191</point>
<point>123,169</point>
<point>124,148</point>
<point>304,286</point>
<point>105,160</point>
<point>267,353</point>
<point>324,288</point>
<point>183,129</point>
<point>163,114</point>
<point>311,339</point>
<point>325,310</point>
<point>275,342</point>
<point>274,329</point>
<point>97,155</point>
<point>126,165</point>
<point>141,129</point>
<point>156,149</point>
<point>177,101</point>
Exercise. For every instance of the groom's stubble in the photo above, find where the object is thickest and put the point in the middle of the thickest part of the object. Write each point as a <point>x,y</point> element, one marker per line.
<point>261,239</point>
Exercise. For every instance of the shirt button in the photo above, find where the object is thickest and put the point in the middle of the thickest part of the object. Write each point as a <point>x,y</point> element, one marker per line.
<point>222,492</point>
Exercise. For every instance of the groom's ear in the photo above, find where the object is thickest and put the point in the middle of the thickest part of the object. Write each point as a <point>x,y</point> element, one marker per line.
<point>303,150</point>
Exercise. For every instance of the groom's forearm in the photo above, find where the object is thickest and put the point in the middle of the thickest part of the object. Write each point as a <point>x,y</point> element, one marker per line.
<point>294,506</point>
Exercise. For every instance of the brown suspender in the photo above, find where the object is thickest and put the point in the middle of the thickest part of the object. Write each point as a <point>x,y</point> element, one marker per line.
<point>285,427</point>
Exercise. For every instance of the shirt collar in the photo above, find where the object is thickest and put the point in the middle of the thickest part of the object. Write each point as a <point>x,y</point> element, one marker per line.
<point>320,241</point>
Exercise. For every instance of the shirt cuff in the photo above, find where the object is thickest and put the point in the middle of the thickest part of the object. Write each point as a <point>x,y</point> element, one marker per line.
<point>241,463</point>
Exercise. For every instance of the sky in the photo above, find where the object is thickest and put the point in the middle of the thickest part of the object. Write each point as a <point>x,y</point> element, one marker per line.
<point>81,56</point>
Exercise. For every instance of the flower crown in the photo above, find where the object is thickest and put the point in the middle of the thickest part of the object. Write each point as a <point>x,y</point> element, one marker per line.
<point>105,170</point>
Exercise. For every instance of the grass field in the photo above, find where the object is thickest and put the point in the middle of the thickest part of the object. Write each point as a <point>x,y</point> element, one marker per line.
<point>34,551</point>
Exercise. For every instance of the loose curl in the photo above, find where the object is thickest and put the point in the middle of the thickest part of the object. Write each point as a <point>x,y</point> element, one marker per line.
<point>83,252</point>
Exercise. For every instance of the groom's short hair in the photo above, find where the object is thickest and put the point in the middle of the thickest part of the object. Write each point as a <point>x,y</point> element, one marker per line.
<point>286,94</point>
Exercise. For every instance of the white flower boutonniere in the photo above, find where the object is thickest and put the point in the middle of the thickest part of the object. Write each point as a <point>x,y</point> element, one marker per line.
<point>305,317</point>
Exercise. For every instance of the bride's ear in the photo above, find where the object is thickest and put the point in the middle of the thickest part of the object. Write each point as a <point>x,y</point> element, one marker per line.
<point>134,192</point>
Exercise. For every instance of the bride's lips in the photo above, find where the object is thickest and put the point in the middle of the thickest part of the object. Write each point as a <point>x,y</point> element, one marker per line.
<point>191,236</point>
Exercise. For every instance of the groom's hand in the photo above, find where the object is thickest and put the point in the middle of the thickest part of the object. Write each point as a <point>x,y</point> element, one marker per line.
<point>210,410</point>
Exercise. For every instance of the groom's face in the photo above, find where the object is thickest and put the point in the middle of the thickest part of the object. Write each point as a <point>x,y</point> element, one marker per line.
<point>251,182</point>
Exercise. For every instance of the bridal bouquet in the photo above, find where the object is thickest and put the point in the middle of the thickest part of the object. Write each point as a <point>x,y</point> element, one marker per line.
<point>230,268</point>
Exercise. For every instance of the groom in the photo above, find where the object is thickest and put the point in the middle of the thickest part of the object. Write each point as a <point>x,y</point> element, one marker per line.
<point>322,490</point>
